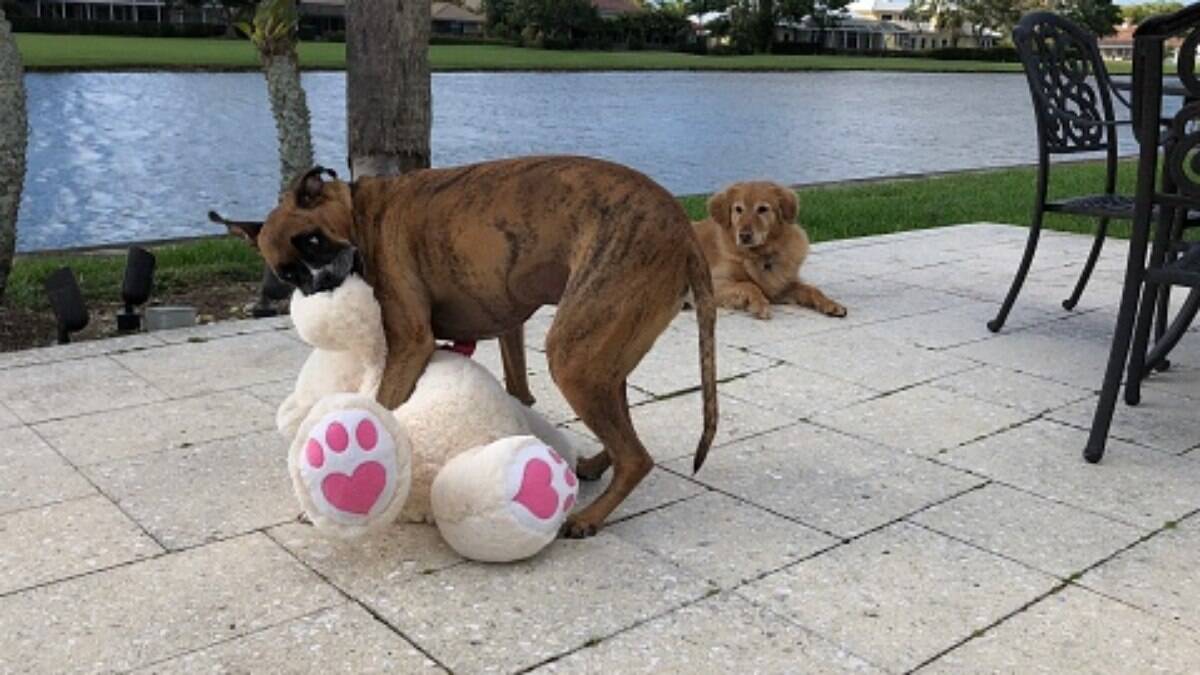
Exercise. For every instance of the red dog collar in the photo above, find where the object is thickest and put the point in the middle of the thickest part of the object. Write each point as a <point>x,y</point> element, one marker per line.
<point>464,347</point>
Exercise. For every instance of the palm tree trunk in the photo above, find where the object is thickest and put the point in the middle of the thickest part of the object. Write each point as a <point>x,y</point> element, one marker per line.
<point>290,108</point>
<point>388,109</point>
<point>14,133</point>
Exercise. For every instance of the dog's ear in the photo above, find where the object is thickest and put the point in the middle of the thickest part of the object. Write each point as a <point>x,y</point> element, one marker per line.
<point>718,207</point>
<point>309,187</point>
<point>789,204</point>
<point>246,229</point>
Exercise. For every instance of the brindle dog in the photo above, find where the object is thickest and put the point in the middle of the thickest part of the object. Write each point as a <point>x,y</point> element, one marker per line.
<point>471,252</point>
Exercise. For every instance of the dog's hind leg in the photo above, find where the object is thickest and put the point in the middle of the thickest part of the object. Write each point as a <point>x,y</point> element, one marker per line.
<point>598,337</point>
<point>512,355</point>
<point>592,468</point>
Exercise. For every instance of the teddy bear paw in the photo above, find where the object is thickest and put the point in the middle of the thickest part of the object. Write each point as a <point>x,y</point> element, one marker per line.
<point>542,488</point>
<point>349,468</point>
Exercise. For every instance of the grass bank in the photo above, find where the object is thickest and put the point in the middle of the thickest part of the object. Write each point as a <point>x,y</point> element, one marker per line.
<point>103,52</point>
<point>828,212</point>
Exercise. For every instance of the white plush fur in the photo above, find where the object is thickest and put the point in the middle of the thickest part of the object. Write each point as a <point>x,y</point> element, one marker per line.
<point>472,500</point>
<point>456,407</point>
<point>324,373</point>
<point>345,327</point>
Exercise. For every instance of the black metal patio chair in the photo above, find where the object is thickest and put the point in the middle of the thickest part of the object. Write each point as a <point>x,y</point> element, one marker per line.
<point>1163,201</point>
<point>1073,104</point>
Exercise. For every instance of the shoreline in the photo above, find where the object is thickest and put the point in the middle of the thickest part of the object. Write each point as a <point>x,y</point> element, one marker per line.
<point>115,248</point>
<point>59,53</point>
<point>220,274</point>
<point>202,69</point>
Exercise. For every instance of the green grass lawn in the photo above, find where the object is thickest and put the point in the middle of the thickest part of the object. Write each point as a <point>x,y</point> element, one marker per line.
<point>180,268</point>
<point>80,52</point>
<point>835,212</point>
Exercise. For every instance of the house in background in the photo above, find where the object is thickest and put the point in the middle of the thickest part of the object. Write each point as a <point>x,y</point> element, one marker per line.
<point>450,19</point>
<point>1119,45</point>
<point>104,10</point>
<point>883,25</point>
<point>322,16</point>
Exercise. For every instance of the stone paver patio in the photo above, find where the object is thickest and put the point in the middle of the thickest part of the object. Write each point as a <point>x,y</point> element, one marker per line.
<point>896,491</point>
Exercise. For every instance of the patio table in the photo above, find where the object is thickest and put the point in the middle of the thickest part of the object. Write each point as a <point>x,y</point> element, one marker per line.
<point>1162,211</point>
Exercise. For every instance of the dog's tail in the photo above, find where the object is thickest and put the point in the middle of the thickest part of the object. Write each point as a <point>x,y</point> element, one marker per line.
<point>700,281</point>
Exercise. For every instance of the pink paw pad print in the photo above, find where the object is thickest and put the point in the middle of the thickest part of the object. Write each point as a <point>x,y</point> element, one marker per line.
<point>349,466</point>
<point>542,486</point>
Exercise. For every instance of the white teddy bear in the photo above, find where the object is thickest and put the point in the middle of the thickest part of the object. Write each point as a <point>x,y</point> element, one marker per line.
<point>493,475</point>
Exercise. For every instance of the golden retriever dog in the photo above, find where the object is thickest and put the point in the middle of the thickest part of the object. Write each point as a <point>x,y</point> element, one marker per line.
<point>755,248</point>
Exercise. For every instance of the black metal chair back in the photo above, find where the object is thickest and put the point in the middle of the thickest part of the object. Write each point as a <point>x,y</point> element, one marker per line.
<point>1073,104</point>
<point>1069,84</point>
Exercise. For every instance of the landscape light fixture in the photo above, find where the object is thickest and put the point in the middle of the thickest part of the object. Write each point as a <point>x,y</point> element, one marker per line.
<point>135,289</point>
<point>67,302</point>
<point>272,290</point>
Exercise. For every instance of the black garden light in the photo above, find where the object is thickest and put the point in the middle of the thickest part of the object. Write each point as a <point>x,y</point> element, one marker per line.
<point>67,301</point>
<point>273,289</point>
<point>135,289</point>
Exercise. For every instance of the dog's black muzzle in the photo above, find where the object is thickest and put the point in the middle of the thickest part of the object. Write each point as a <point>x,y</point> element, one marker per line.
<point>330,276</point>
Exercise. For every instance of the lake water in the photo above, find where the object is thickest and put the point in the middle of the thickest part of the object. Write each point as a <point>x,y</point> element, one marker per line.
<point>131,156</point>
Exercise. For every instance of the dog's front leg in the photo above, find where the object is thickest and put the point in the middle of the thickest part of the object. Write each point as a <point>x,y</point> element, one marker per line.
<point>410,344</point>
<point>810,296</point>
<point>512,354</point>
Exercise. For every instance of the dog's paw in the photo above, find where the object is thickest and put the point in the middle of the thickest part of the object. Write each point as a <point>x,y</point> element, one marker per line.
<point>577,528</point>
<point>592,468</point>
<point>542,487</point>
<point>349,467</point>
<point>834,309</point>
<point>761,311</point>
<point>527,399</point>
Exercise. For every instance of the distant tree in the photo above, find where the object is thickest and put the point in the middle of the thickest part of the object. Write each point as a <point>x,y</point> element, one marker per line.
<point>1135,14</point>
<point>743,25</point>
<point>995,15</point>
<point>14,134</point>
<point>273,32</point>
<point>763,25</point>
<point>947,16</point>
<point>499,17</point>
<point>1099,16</point>
<point>706,6</point>
<point>559,22</point>
<point>657,26</point>
<point>822,14</point>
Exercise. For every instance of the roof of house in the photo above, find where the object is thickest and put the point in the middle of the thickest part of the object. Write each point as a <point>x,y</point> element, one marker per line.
<point>1123,36</point>
<point>616,6</point>
<point>445,11</point>
<point>870,6</point>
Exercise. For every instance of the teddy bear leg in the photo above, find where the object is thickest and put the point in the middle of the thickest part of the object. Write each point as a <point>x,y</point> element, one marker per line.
<point>350,465</point>
<point>503,501</point>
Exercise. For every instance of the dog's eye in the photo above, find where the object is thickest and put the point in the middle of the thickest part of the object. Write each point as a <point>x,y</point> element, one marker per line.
<point>314,241</point>
<point>737,208</point>
<point>762,208</point>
